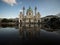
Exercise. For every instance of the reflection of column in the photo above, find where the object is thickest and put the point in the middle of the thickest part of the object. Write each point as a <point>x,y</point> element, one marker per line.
<point>21,31</point>
<point>37,33</point>
<point>19,26</point>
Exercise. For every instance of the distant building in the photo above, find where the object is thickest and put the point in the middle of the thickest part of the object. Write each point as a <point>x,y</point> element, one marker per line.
<point>29,17</point>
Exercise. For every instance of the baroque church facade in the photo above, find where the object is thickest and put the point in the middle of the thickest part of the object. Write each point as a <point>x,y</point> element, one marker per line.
<point>29,17</point>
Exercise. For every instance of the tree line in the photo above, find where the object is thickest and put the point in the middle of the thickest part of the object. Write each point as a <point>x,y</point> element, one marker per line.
<point>7,20</point>
<point>53,22</point>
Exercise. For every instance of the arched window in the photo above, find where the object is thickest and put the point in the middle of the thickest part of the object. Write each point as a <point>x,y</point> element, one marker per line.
<point>29,13</point>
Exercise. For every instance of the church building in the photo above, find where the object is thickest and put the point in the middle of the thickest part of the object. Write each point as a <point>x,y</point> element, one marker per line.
<point>29,16</point>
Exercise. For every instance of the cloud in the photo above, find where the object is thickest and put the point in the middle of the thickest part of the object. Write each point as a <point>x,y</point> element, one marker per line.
<point>10,2</point>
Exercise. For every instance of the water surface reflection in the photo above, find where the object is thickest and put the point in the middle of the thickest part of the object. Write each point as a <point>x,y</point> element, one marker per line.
<point>29,31</point>
<point>19,34</point>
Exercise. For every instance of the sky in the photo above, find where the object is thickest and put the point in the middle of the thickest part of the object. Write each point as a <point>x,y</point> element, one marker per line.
<point>12,8</point>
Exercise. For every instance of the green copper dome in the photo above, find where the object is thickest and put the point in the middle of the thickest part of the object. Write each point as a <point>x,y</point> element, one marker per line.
<point>29,9</point>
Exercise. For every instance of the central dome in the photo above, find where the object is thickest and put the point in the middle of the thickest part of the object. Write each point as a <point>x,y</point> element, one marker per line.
<point>29,9</point>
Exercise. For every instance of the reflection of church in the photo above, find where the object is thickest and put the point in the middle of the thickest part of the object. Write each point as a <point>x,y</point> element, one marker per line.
<point>28,32</point>
<point>29,17</point>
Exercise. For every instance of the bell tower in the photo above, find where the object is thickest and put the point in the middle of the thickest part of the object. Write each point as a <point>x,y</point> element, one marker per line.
<point>23,10</point>
<point>35,10</point>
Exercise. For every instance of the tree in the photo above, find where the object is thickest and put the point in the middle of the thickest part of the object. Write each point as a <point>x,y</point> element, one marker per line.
<point>54,22</point>
<point>4,20</point>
